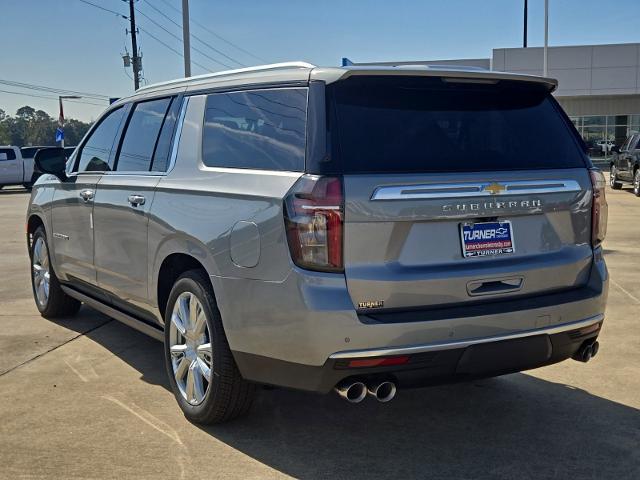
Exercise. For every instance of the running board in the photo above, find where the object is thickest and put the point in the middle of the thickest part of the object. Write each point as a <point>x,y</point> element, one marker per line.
<point>128,320</point>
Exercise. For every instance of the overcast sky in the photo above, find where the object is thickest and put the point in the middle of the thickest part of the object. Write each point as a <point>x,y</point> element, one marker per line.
<point>71,45</point>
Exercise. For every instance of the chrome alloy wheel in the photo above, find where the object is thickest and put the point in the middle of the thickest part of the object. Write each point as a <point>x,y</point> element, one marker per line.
<point>190,348</point>
<point>40,271</point>
<point>636,183</point>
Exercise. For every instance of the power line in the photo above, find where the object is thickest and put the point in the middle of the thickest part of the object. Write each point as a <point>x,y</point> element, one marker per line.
<point>59,91</point>
<point>171,48</point>
<point>195,22</point>
<point>51,98</point>
<point>180,40</point>
<point>195,36</point>
<point>105,9</point>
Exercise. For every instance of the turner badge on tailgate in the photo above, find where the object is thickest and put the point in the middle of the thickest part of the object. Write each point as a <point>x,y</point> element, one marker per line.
<point>487,238</point>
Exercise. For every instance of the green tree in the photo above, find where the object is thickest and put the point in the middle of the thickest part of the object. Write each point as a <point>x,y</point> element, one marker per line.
<point>36,127</point>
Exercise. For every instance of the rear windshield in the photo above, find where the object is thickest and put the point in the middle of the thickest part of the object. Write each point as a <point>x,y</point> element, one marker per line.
<point>418,124</point>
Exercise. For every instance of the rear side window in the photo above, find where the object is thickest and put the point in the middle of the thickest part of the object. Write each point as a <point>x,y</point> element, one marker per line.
<point>95,153</point>
<point>261,129</point>
<point>418,124</point>
<point>29,152</point>
<point>163,148</point>
<point>141,136</point>
<point>11,155</point>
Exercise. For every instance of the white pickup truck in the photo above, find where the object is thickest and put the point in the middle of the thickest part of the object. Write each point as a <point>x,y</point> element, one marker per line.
<point>14,169</point>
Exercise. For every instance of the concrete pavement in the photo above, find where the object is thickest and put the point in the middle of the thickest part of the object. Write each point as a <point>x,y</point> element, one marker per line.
<point>88,398</point>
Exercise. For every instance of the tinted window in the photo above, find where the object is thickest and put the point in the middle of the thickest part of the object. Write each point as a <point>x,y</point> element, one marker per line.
<point>95,153</point>
<point>413,124</point>
<point>163,148</point>
<point>29,152</point>
<point>259,129</point>
<point>141,136</point>
<point>11,155</point>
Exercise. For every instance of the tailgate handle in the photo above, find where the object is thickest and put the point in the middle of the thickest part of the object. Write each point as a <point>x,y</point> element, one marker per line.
<point>493,286</point>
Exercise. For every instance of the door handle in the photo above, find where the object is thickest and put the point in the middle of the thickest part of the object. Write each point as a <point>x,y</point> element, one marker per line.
<point>87,194</point>
<point>136,200</point>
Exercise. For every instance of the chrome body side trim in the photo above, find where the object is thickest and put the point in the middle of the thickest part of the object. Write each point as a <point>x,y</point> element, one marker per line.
<point>411,349</point>
<point>147,329</point>
<point>474,189</point>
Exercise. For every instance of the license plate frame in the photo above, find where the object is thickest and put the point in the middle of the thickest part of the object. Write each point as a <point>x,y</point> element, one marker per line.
<point>486,239</point>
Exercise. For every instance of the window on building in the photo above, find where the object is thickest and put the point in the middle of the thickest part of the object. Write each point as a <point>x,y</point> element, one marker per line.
<point>259,129</point>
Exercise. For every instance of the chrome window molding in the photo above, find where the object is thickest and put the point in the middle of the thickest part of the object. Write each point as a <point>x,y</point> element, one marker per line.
<point>474,189</point>
<point>177,135</point>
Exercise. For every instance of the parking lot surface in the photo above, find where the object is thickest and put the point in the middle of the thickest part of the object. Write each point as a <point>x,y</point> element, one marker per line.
<point>88,398</point>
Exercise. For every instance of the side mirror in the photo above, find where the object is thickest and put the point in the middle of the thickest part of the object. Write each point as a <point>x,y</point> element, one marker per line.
<point>615,149</point>
<point>52,161</point>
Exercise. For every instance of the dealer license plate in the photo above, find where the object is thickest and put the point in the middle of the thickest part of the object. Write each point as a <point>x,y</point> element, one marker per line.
<point>487,238</point>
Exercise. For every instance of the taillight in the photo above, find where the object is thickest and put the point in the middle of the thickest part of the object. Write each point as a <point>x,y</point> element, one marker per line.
<point>314,212</point>
<point>599,210</point>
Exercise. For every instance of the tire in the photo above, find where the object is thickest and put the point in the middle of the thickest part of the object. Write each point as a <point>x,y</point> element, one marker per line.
<point>613,179</point>
<point>202,346</point>
<point>636,183</point>
<point>50,299</point>
<point>27,186</point>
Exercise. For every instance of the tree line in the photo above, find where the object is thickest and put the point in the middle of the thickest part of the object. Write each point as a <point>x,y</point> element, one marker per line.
<point>35,127</point>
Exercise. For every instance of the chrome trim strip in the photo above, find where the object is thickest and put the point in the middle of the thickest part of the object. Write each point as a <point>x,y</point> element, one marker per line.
<point>476,189</point>
<point>178,134</point>
<point>432,347</point>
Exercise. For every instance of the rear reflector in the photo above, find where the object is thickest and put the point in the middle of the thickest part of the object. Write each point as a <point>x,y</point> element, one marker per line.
<point>378,362</point>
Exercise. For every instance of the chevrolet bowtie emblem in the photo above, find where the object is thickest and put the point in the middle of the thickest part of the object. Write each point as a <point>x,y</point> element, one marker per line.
<point>495,188</point>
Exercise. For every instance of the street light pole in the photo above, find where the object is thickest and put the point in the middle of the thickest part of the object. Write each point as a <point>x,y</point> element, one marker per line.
<point>524,30</point>
<point>60,129</point>
<point>545,60</point>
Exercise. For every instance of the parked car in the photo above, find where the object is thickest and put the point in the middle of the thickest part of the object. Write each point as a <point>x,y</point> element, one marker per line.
<point>625,165</point>
<point>350,228</point>
<point>14,169</point>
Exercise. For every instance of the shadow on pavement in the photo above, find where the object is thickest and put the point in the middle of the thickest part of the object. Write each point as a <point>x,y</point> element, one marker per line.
<point>516,426</point>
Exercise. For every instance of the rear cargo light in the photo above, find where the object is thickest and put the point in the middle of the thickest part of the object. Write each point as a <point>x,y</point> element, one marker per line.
<point>314,212</point>
<point>599,211</point>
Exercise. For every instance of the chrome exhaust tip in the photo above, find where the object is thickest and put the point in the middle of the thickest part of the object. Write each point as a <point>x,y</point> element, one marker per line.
<point>352,392</point>
<point>383,391</point>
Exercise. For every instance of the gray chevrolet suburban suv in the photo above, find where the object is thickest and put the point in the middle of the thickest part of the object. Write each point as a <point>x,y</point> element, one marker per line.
<point>360,229</point>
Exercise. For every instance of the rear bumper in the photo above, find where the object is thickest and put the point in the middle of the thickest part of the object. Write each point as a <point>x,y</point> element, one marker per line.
<point>434,363</point>
<point>298,333</point>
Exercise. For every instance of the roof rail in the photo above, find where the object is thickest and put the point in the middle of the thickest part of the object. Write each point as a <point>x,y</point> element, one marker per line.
<point>258,68</point>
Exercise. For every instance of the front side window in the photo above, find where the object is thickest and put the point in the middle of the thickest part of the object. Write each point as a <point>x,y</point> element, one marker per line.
<point>140,139</point>
<point>261,129</point>
<point>95,153</point>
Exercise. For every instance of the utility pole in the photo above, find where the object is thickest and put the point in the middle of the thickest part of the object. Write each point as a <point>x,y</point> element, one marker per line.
<point>135,62</point>
<point>186,38</point>
<point>524,36</point>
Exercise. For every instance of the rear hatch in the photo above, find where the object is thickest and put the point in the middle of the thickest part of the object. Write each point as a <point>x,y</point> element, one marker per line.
<point>457,191</point>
